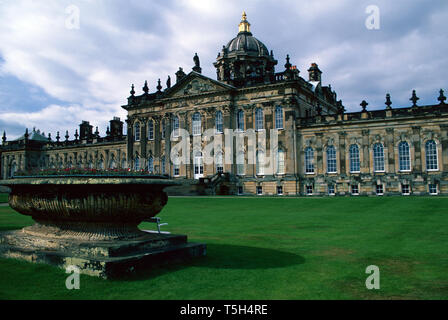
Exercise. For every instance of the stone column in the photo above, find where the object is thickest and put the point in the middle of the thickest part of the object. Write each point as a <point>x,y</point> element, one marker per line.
<point>130,141</point>
<point>416,141</point>
<point>319,154</point>
<point>168,124</point>
<point>365,165</point>
<point>390,150</point>
<point>342,152</point>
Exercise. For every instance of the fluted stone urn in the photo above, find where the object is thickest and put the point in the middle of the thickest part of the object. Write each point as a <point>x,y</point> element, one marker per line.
<point>92,222</point>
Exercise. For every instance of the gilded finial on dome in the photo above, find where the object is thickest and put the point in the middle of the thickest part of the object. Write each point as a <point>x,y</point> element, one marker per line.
<point>244,25</point>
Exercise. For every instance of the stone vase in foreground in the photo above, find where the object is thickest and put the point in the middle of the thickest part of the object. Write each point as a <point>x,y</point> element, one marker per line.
<point>92,223</point>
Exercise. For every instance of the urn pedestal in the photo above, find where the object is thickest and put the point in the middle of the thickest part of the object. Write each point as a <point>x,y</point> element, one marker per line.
<point>92,223</point>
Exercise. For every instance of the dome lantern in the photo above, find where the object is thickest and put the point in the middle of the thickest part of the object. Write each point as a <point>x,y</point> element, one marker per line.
<point>244,25</point>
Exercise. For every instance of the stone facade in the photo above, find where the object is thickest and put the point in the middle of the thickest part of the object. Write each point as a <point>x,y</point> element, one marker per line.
<point>398,150</point>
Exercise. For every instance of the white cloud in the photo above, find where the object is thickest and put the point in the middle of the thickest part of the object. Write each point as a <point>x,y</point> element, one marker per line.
<point>120,43</point>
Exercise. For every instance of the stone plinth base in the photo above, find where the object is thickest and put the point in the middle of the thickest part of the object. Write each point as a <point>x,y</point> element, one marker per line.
<point>106,259</point>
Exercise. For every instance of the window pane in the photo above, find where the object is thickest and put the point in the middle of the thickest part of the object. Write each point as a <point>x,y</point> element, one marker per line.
<point>354,158</point>
<point>378,157</point>
<point>309,160</point>
<point>150,130</point>
<point>331,159</point>
<point>258,119</point>
<point>404,157</point>
<point>219,122</point>
<point>197,123</point>
<point>431,155</point>
<point>137,131</point>
<point>279,117</point>
<point>240,120</point>
<point>176,126</point>
<point>280,162</point>
<point>151,165</point>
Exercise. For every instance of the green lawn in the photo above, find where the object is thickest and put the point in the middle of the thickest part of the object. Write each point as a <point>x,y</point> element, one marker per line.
<point>274,248</point>
<point>3,197</point>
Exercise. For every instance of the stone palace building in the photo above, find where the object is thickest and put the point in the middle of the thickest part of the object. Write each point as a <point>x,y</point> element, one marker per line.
<point>321,149</point>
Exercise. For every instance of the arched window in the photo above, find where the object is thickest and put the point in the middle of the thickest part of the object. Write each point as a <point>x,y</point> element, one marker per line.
<point>404,156</point>
<point>331,160</point>
<point>431,155</point>
<point>137,163</point>
<point>175,126</point>
<point>150,130</point>
<point>163,128</point>
<point>100,164</point>
<point>151,164</point>
<point>137,131</point>
<point>198,164</point>
<point>240,167</point>
<point>176,166</point>
<point>355,163</point>
<point>219,162</point>
<point>280,161</point>
<point>378,157</point>
<point>258,119</point>
<point>197,124</point>
<point>219,122</point>
<point>240,120</point>
<point>123,163</point>
<point>163,165</point>
<point>13,169</point>
<point>278,117</point>
<point>113,164</point>
<point>260,162</point>
<point>309,160</point>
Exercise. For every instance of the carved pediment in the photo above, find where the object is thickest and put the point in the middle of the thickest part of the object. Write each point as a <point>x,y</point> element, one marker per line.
<point>194,84</point>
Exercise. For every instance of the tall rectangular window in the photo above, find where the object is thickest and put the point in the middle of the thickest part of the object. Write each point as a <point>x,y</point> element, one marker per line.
<point>258,119</point>
<point>309,160</point>
<point>280,162</point>
<point>176,126</point>
<point>219,122</point>
<point>163,165</point>
<point>240,120</point>
<point>431,155</point>
<point>378,157</point>
<point>279,117</point>
<point>331,159</point>
<point>197,124</point>
<point>404,157</point>
<point>137,131</point>
<point>354,158</point>
<point>150,130</point>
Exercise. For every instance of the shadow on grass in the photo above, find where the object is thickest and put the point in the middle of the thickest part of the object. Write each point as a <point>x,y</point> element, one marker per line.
<point>224,256</point>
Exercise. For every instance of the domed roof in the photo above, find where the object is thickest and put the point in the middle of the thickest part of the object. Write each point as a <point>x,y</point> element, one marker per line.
<point>247,43</point>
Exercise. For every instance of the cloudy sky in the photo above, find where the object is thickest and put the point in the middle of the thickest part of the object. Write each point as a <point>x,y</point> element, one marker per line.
<point>54,74</point>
